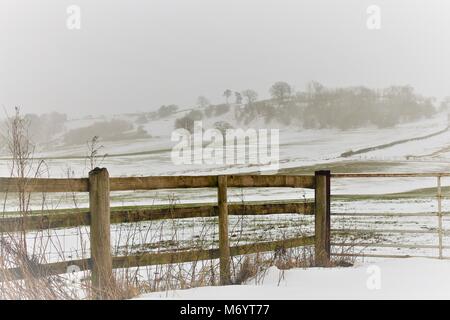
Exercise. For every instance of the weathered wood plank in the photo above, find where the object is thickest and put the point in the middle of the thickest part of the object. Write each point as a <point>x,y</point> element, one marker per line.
<point>262,181</point>
<point>44,270</point>
<point>82,218</point>
<point>162,182</point>
<point>147,214</point>
<point>234,181</point>
<point>148,259</point>
<point>154,182</point>
<point>35,222</point>
<point>271,246</point>
<point>43,185</point>
<point>306,208</point>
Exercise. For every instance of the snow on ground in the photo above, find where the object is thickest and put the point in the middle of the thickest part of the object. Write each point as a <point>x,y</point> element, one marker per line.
<point>418,148</point>
<point>412,278</point>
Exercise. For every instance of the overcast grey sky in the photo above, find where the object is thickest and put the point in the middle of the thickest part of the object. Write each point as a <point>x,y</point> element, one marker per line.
<point>135,55</point>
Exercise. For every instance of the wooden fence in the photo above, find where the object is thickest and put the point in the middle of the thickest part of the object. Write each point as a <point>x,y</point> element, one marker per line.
<point>100,216</point>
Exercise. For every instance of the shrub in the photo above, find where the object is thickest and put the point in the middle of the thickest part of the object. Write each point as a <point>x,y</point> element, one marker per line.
<point>108,130</point>
<point>187,122</point>
<point>165,111</point>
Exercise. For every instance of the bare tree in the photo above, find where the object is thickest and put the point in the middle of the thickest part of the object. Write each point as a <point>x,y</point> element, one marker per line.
<point>227,94</point>
<point>280,91</point>
<point>250,96</point>
<point>445,104</point>
<point>238,96</point>
<point>203,102</point>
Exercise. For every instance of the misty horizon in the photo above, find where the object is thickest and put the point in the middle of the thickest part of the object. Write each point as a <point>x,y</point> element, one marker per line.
<point>129,58</point>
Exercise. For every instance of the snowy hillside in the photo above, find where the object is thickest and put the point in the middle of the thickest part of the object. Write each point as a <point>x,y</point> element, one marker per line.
<point>298,147</point>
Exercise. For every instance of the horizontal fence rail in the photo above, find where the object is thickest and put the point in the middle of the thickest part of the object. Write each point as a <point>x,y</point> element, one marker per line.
<point>83,217</point>
<point>151,259</point>
<point>156,182</point>
<point>43,185</point>
<point>233,181</point>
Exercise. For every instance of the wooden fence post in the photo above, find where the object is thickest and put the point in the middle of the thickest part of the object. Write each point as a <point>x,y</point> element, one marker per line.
<point>224,243</point>
<point>322,218</point>
<point>101,259</point>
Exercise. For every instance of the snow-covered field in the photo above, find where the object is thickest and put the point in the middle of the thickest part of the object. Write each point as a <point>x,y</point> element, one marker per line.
<point>412,278</point>
<point>298,148</point>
